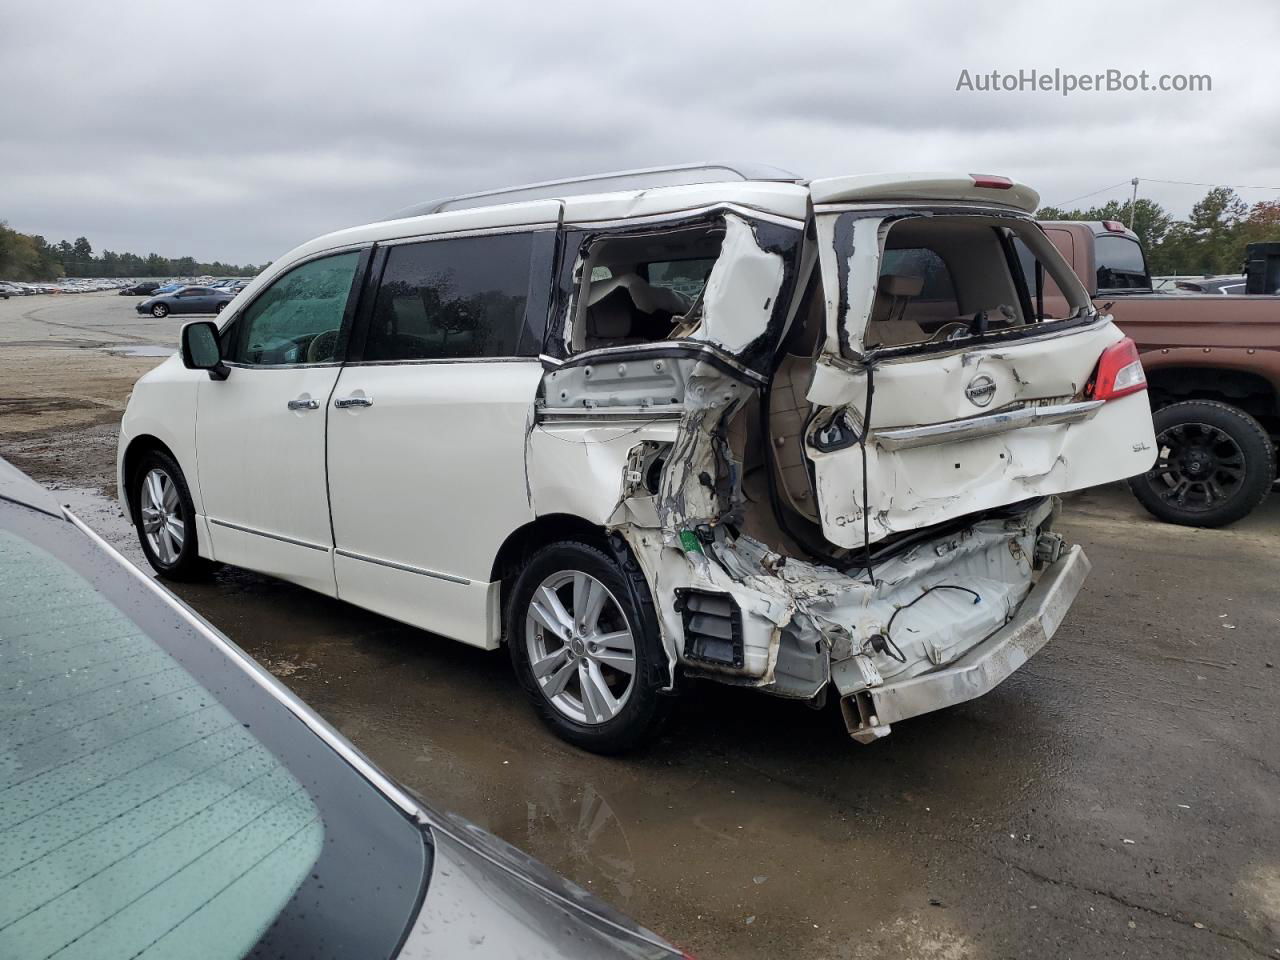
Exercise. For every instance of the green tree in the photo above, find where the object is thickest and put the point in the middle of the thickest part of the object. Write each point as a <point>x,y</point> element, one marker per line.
<point>1150,220</point>
<point>1211,240</point>
<point>32,257</point>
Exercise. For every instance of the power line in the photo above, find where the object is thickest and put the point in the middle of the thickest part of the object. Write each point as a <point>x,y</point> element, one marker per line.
<point>1084,196</point>
<point>1185,183</point>
<point>1192,183</point>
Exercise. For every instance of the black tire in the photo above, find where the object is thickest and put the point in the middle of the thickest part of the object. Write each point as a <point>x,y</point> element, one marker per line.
<point>645,707</point>
<point>159,311</point>
<point>1215,464</point>
<point>218,308</point>
<point>187,564</point>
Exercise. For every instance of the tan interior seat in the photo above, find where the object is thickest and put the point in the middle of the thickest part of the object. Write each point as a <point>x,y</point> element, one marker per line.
<point>889,326</point>
<point>609,321</point>
<point>613,304</point>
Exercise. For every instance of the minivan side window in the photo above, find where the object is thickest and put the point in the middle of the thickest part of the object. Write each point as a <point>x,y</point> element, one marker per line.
<point>462,297</point>
<point>298,318</point>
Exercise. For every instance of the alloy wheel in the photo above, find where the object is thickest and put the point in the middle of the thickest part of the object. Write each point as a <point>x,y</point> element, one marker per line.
<point>1198,468</point>
<point>581,647</point>
<point>162,522</point>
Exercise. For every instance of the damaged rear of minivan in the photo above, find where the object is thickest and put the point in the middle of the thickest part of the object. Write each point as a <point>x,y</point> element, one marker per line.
<point>826,449</point>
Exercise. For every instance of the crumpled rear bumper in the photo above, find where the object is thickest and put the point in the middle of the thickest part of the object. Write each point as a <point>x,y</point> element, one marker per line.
<point>869,712</point>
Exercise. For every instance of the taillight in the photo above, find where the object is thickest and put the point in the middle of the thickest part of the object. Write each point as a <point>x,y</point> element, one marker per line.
<point>990,182</point>
<point>1118,373</point>
<point>1114,226</point>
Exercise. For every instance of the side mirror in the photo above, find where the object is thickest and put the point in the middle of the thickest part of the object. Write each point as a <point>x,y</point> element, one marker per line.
<point>200,350</point>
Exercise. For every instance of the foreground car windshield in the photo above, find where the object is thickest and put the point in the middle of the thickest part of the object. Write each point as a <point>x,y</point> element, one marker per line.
<point>156,800</point>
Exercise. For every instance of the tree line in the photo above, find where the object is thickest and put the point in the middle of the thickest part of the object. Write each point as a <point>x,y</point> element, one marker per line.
<point>25,256</point>
<point>1211,240</point>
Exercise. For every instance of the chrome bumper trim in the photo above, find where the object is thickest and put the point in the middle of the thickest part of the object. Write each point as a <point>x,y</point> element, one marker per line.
<point>904,438</point>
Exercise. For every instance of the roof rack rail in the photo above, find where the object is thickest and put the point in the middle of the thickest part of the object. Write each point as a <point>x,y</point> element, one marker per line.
<point>681,174</point>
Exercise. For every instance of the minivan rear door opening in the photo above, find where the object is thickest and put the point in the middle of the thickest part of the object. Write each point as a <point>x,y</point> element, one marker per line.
<point>942,378</point>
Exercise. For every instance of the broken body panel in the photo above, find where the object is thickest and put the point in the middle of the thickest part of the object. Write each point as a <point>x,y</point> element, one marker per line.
<point>948,474</point>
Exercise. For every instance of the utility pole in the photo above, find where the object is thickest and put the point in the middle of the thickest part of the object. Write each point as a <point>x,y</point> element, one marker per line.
<point>1133,204</point>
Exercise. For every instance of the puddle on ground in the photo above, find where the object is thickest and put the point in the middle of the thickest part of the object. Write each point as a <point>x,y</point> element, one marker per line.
<point>143,350</point>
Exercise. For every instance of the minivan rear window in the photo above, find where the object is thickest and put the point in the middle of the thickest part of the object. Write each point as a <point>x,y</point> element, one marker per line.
<point>946,278</point>
<point>462,297</point>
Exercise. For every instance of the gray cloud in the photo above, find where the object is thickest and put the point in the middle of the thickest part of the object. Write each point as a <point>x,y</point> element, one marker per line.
<point>239,131</point>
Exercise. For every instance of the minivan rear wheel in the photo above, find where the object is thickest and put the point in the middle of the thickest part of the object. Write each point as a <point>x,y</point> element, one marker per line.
<point>1214,465</point>
<point>584,643</point>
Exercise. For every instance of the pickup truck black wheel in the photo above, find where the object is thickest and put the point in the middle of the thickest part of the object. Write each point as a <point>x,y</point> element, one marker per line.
<point>584,642</point>
<point>1215,463</point>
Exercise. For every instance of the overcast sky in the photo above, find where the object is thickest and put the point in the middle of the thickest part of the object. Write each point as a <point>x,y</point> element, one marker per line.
<point>237,133</point>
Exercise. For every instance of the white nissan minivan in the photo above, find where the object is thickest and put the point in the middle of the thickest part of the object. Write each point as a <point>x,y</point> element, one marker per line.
<point>707,421</point>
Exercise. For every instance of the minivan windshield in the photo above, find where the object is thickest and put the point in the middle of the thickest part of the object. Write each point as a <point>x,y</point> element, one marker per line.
<point>156,799</point>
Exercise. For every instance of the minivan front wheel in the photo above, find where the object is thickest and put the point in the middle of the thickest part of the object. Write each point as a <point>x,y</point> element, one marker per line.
<point>164,515</point>
<point>586,652</point>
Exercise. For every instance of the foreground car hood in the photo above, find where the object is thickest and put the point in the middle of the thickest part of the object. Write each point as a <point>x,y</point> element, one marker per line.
<point>486,899</point>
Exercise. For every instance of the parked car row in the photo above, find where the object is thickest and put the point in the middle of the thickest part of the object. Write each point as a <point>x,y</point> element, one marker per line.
<point>15,288</point>
<point>126,287</point>
<point>1227,284</point>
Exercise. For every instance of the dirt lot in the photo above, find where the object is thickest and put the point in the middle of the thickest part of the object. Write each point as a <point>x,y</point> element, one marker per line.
<point>1119,796</point>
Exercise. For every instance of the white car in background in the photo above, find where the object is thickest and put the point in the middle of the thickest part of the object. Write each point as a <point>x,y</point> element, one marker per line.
<point>704,421</point>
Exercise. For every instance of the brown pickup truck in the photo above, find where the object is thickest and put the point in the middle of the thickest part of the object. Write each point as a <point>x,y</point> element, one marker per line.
<point>1213,368</point>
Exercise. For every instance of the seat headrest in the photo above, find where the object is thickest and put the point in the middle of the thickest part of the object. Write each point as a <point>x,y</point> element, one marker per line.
<point>609,318</point>
<point>899,285</point>
<point>647,297</point>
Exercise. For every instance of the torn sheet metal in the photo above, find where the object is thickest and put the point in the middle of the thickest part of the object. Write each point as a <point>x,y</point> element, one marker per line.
<point>805,624</point>
<point>742,290</point>
<point>918,487</point>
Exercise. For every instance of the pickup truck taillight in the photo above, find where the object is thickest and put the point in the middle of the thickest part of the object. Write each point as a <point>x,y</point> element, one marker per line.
<point>1118,373</point>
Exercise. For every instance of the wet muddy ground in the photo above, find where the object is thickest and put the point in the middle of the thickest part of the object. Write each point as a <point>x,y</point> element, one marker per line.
<point>1118,796</point>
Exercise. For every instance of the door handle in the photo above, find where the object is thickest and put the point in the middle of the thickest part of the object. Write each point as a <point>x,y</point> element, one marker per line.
<point>342,403</point>
<point>304,404</point>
